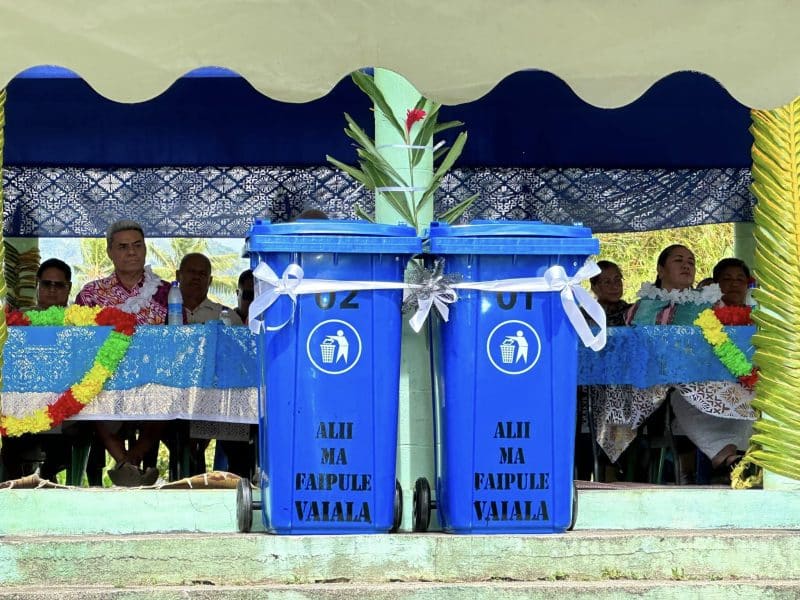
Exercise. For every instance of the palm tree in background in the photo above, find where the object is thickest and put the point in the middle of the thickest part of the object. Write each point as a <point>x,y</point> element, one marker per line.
<point>167,261</point>
<point>95,262</point>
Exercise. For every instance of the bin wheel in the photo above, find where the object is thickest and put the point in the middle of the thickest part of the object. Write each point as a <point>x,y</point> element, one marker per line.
<point>397,519</point>
<point>422,505</point>
<point>244,506</point>
<point>574,507</point>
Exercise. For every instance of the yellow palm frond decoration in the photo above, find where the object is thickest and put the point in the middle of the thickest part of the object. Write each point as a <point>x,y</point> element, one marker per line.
<point>776,186</point>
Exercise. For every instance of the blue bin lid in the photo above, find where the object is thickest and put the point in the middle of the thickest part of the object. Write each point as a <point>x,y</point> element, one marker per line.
<point>511,237</point>
<point>341,236</point>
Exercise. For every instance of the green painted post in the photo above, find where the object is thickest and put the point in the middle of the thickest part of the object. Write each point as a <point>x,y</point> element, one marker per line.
<point>415,418</point>
<point>401,96</point>
<point>744,244</point>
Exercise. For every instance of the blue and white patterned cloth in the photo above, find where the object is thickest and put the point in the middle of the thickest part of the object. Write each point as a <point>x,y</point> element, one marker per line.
<point>223,201</point>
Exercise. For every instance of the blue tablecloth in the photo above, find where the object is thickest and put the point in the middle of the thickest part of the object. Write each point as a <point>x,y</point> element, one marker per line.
<point>644,356</point>
<point>41,359</point>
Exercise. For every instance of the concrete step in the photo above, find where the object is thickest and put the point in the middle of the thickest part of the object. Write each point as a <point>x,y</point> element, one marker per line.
<point>497,590</point>
<point>260,559</point>
<point>125,511</point>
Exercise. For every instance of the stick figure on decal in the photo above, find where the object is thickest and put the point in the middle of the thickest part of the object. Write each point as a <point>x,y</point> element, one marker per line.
<point>513,347</point>
<point>342,346</point>
<point>334,346</point>
<point>511,343</point>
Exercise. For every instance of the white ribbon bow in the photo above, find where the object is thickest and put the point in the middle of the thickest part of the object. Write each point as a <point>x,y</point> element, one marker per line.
<point>555,279</point>
<point>269,287</point>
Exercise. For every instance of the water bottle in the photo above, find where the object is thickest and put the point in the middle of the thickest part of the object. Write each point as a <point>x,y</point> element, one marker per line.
<point>225,316</point>
<point>175,305</point>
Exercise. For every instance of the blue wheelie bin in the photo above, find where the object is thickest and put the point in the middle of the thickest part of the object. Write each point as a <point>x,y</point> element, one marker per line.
<point>329,380</point>
<point>505,376</point>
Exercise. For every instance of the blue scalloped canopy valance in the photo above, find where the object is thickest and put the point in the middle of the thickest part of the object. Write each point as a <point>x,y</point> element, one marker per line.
<point>211,152</point>
<point>213,117</point>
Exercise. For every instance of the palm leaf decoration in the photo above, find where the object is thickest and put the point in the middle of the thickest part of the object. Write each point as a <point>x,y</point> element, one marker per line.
<point>776,186</point>
<point>374,171</point>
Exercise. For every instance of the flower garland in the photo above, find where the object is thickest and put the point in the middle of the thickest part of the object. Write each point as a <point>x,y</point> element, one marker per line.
<point>709,294</point>
<point>711,322</point>
<point>135,304</point>
<point>105,363</point>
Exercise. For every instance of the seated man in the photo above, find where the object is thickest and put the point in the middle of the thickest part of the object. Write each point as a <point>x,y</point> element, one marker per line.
<point>53,284</point>
<point>194,277</point>
<point>135,289</point>
<point>21,455</point>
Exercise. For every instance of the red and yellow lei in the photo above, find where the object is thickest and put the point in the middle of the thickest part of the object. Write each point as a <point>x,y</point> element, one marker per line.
<point>711,322</point>
<point>105,363</point>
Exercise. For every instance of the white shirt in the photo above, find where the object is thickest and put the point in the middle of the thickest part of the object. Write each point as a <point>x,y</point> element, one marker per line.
<point>208,310</point>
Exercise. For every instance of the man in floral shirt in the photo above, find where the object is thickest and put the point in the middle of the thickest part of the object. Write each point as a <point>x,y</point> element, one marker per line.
<point>135,289</point>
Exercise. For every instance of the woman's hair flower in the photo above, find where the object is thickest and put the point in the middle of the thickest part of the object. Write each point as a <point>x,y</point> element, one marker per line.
<point>412,116</point>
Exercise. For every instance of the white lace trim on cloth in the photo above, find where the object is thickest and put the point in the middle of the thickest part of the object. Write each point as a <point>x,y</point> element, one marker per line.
<point>151,402</point>
<point>619,410</point>
<point>709,294</point>
<point>135,304</point>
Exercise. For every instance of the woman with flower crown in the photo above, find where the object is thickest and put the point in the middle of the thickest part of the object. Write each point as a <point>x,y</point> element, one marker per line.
<point>671,300</point>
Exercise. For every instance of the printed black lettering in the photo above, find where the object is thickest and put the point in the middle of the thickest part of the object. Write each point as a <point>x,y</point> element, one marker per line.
<point>342,482</point>
<point>327,511</point>
<point>511,481</point>
<point>511,510</point>
<point>528,300</point>
<point>501,302</point>
<point>334,456</point>
<point>326,300</point>
<point>335,430</point>
<point>512,456</point>
<point>512,430</point>
<point>348,301</point>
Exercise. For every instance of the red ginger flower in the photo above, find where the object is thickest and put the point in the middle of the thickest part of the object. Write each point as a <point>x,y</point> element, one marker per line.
<point>412,116</point>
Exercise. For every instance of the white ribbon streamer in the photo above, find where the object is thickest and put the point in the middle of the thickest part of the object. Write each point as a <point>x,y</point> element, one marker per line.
<point>404,147</point>
<point>555,280</point>
<point>269,287</point>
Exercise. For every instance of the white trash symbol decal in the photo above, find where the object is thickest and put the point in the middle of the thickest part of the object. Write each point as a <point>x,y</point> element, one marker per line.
<point>334,346</point>
<point>513,347</point>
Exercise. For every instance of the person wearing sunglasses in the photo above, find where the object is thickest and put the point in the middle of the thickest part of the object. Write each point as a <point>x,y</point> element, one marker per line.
<point>50,451</point>
<point>53,284</point>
